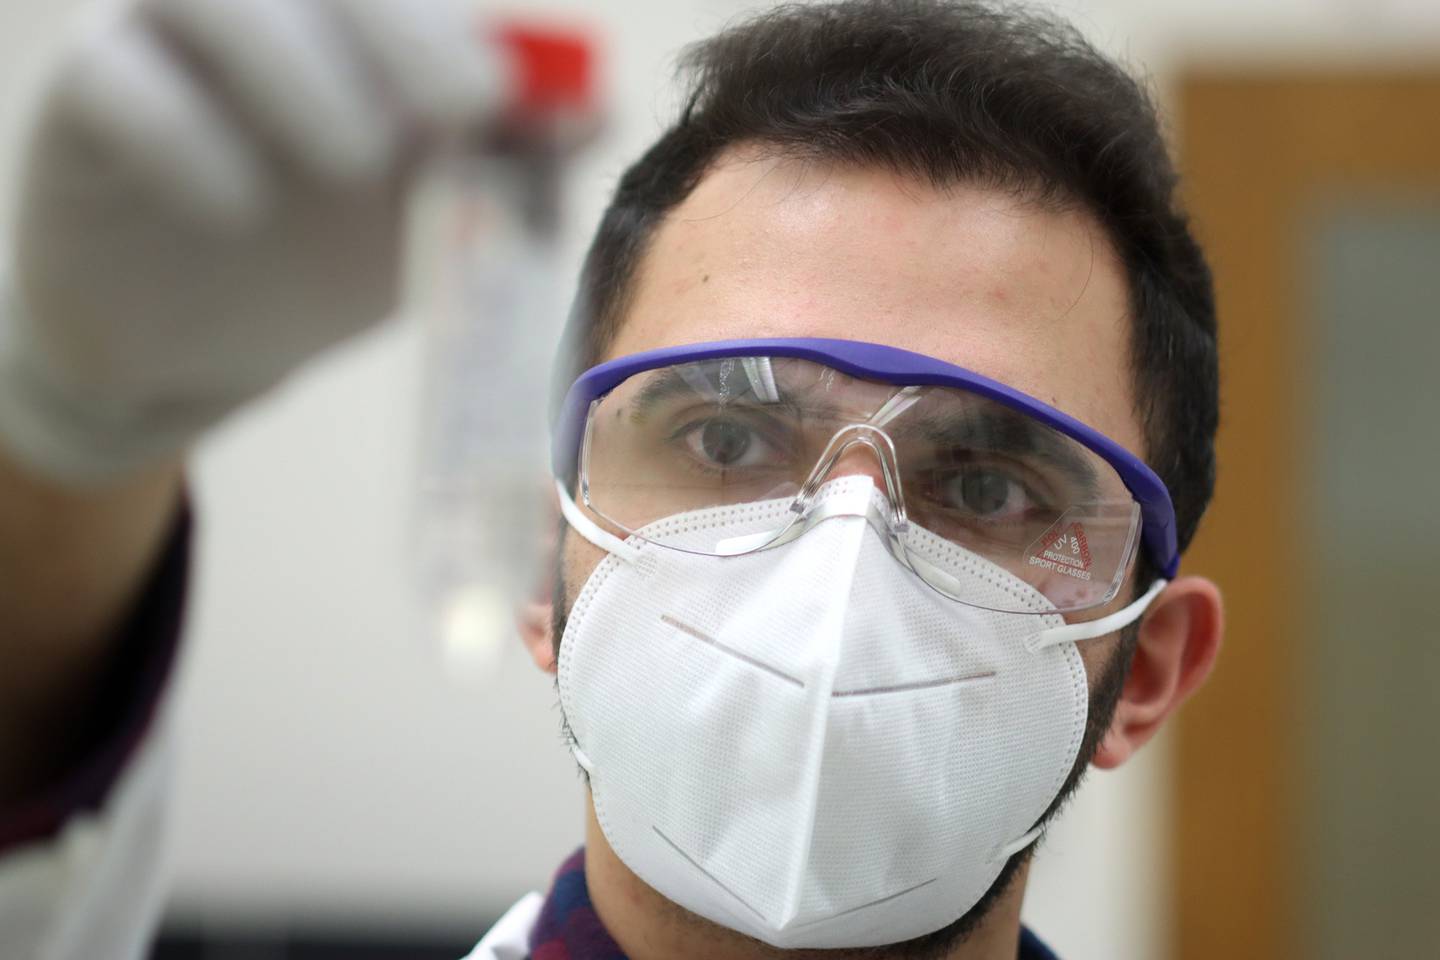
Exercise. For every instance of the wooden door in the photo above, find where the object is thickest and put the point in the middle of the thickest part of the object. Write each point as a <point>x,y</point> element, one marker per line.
<point>1268,158</point>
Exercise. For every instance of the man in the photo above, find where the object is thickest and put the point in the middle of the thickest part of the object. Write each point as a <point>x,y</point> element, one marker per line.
<point>862,562</point>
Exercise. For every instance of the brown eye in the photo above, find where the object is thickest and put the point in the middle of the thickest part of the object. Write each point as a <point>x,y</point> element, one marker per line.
<point>729,443</point>
<point>724,442</point>
<point>985,493</point>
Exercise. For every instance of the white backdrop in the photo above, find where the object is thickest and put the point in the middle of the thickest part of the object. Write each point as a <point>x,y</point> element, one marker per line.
<point>330,771</point>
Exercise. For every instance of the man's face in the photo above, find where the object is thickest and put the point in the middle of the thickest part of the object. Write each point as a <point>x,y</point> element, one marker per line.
<point>771,248</point>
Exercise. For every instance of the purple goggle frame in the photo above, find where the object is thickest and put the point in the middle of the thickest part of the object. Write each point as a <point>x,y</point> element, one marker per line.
<point>873,361</point>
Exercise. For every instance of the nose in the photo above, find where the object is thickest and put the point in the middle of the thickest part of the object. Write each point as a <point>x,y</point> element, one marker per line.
<point>860,450</point>
<point>859,459</point>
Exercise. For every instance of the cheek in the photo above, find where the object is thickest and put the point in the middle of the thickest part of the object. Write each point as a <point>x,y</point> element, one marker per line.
<point>1096,654</point>
<point>578,559</point>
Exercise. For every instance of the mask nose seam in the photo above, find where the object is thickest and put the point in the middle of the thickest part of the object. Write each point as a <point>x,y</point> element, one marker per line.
<point>819,707</point>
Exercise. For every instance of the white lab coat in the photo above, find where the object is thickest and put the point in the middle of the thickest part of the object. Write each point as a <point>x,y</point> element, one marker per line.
<point>95,890</point>
<point>509,939</point>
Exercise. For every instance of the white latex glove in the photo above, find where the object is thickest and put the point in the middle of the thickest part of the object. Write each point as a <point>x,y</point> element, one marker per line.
<point>213,192</point>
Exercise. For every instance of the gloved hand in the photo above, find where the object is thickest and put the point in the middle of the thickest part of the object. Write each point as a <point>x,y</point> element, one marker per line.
<point>213,192</point>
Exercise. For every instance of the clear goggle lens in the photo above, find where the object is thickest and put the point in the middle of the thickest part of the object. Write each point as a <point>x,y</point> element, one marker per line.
<point>972,471</point>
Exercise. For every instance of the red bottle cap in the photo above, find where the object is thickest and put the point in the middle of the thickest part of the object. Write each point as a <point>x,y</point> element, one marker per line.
<point>555,65</point>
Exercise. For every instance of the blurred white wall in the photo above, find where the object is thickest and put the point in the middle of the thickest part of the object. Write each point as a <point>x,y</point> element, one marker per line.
<point>328,768</point>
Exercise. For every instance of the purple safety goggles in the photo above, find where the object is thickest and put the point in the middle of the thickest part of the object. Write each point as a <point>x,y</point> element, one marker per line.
<point>1012,479</point>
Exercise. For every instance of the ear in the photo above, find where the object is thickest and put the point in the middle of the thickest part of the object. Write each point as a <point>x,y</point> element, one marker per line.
<point>535,615</point>
<point>1179,638</point>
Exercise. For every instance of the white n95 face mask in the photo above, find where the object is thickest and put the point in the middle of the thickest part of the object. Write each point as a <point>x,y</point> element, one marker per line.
<point>808,744</point>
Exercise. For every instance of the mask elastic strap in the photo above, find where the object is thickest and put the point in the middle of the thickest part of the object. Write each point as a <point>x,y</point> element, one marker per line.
<point>585,762</point>
<point>1009,850</point>
<point>1071,632</point>
<point>591,530</point>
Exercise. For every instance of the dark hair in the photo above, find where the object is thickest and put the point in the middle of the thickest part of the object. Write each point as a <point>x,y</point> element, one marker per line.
<point>948,92</point>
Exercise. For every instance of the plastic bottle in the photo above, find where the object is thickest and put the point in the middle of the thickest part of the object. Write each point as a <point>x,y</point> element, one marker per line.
<point>487,287</point>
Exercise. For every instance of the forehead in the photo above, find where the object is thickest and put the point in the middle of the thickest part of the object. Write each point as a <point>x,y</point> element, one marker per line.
<point>767,247</point>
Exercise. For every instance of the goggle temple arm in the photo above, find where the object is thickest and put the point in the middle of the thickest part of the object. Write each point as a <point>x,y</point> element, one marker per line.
<point>591,530</point>
<point>1090,629</point>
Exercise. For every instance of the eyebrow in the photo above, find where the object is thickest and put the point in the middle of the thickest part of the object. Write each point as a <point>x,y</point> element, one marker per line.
<point>693,381</point>
<point>1005,431</point>
<point>665,385</point>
